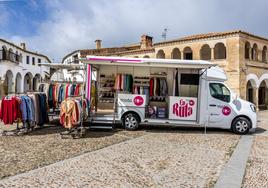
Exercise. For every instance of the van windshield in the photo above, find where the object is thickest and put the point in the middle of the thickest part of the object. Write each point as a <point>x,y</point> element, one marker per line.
<point>219,91</point>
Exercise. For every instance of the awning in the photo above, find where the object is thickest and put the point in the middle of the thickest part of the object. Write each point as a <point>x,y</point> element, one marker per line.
<point>64,66</point>
<point>147,62</point>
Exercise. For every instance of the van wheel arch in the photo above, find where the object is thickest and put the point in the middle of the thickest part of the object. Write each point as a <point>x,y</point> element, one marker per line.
<point>135,116</point>
<point>243,119</point>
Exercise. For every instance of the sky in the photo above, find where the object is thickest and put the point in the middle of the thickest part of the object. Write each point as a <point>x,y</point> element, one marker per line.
<point>58,27</point>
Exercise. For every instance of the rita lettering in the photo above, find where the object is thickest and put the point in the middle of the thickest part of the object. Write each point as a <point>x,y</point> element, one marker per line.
<point>183,108</point>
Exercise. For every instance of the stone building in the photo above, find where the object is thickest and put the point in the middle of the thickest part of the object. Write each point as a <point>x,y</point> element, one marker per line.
<point>19,68</point>
<point>242,55</point>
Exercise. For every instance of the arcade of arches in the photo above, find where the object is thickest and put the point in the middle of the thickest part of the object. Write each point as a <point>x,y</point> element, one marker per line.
<point>257,91</point>
<point>206,52</point>
<point>16,83</point>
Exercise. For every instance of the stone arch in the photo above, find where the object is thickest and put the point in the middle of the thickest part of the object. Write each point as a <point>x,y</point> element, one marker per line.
<point>187,53</point>
<point>146,56</point>
<point>254,52</point>
<point>28,82</point>
<point>264,54</point>
<point>36,81</point>
<point>253,79</point>
<point>176,53</point>
<point>264,77</point>
<point>205,52</point>
<point>250,91</point>
<point>8,83</point>
<point>160,54</point>
<point>247,50</point>
<point>219,51</point>
<point>262,95</point>
<point>18,83</point>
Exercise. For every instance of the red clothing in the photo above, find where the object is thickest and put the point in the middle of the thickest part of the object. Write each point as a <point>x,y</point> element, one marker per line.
<point>9,110</point>
<point>66,91</point>
<point>76,92</point>
<point>151,87</point>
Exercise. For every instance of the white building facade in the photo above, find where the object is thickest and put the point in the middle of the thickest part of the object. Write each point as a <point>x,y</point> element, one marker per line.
<point>19,68</point>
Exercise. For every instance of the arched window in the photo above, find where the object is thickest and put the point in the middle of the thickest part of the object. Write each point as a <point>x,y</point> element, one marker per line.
<point>205,52</point>
<point>254,52</point>
<point>187,53</point>
<point>247,50</point>
<point>17,57</point>
<point>146,56</point>
<point>18,83</point>
<point>28,80</point>
<point>264,54</point>
<point>160,54</point>
<point>4,52</point>
<point>220,51</point>
<point>8,83</point>
<point>176,53</point>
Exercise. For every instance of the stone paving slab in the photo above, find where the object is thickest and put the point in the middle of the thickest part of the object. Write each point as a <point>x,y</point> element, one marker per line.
<point>257,168</point>
<point>153,160</point>
<point>233,174</point>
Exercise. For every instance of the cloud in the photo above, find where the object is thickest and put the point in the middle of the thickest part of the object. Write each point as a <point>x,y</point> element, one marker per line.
<point>3,16</point>
<point>72,25</point>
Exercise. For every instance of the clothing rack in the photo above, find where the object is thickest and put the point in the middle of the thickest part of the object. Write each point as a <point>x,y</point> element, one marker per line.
<point>27,126</point>
<point>78,131</point>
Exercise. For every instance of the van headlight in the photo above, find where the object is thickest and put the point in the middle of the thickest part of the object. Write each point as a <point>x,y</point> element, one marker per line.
<point>253,108</point>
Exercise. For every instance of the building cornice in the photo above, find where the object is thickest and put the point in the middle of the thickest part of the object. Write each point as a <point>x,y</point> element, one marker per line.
<point>211,36</point>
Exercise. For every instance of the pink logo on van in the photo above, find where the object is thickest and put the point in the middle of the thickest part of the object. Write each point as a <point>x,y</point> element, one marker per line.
<point>138,100</point>
<point>226,111</point>
<point>183,108</point>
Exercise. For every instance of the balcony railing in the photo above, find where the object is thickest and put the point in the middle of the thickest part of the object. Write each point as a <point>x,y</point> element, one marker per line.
<point>10,56</point>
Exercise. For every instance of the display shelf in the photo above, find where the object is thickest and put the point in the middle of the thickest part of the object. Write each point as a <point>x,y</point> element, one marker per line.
<point>138,84</point>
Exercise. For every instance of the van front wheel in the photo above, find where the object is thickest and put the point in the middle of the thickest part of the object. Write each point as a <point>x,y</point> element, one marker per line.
<point>241,125</point>
<point>131,121</point>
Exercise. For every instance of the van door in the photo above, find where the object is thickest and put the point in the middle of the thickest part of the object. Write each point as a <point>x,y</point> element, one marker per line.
<point>218,104</point>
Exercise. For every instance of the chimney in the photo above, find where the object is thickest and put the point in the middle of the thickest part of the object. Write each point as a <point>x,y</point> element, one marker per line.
<point>146,41</point>
<point>23,45</point>
<point>98,44</point>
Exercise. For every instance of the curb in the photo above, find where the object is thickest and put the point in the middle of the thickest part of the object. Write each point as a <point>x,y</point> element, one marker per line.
<point>233,173</point>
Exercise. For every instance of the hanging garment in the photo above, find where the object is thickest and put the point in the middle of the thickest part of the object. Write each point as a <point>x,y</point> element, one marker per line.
<point>163,87</point>
<point>68,114</point>
<point>34,99</point>
<point>70,90</point>
<point>50,96</point>
<point>8,110</point>
<point>152,87</point>
<point>43,116</point>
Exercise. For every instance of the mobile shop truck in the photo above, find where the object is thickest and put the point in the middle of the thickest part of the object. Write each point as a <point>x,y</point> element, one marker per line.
<point>137,91</point>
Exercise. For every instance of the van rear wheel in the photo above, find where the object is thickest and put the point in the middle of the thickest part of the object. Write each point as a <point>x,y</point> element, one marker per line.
<point>241,125</point>
<point>131,121</point>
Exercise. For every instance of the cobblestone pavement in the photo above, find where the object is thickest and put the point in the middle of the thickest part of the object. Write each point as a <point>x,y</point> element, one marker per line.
<point>45,146</point>
<point>159,158</point>
<point>257,168</point>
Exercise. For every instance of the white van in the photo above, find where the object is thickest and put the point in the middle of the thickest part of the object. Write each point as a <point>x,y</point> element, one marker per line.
<point>137,91</point>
